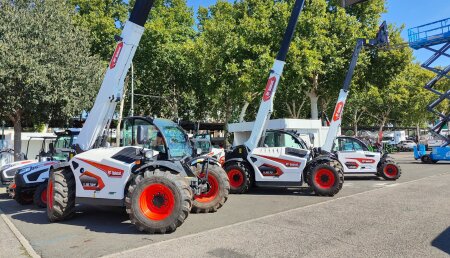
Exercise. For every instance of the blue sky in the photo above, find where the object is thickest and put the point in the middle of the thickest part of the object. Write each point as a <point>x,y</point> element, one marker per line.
<point>412,13</point>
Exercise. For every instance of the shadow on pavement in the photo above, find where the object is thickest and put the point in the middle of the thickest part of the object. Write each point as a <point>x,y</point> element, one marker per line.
<point>97,219</point>
<point>301,191</point>
<point>363,178</point>
<point>94,218</point>
<point>442,241</point>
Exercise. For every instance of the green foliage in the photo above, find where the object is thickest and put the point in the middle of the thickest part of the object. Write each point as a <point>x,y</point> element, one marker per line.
<point>163,61</point>
<point>208,70</point>
<point>100,18</point>
<point>46,71</point>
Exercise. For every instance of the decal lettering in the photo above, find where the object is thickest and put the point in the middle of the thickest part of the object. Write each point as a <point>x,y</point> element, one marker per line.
<point>285,162</point>
<point>269,88</point>
<point>363,161</point>
<point>109,171</point>
<point>338,111</point>
<point>270,170</point>
<point>91,182</point>
<point>116,55</point>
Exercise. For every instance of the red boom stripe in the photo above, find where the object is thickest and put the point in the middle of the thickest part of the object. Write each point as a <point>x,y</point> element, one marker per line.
<point>287,163</point>
<point>110,171</point>
<point>362,160</point>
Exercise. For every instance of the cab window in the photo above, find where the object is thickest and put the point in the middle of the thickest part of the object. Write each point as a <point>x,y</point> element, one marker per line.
<point>152,136</point>
<point>64,141</point>
<point>348,144</point>
<point>282,139</point>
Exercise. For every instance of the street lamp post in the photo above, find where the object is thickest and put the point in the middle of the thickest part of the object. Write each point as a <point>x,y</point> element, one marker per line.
<point>3,134</point>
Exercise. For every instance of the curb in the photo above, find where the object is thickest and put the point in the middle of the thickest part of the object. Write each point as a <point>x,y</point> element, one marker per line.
<point>23,241</point>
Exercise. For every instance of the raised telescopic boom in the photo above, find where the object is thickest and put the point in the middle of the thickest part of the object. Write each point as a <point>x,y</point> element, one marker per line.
<point>382,39</point>
<point>111,90</point>
<point>266,106</point>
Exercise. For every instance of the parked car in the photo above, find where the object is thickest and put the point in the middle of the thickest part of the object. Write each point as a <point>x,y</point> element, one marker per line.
<point>435,143</point>
<point>406,145</point>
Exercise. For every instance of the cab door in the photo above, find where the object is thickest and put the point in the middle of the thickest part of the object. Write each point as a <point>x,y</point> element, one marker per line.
<point>355,156</point>
<point>280,158</point>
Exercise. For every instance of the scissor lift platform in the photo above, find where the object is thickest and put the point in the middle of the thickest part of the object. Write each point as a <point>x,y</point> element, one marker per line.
<point>425,37</point>
<point>430,34</point>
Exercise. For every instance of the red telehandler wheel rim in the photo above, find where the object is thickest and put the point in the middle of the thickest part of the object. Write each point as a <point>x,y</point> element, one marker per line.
<point>157,202</point>
<point>391,170</point>
<point>44,196</point>
<point>325,178</point>
<point>49,193</point>
<point>236,178</point>
<point>213,190</point>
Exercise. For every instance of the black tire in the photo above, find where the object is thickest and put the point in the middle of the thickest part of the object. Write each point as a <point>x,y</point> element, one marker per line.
<point>218,194</point>
<point>325,179</point>
<point>61,195</point>
<point>240,178</point>
<point>40,195</point>
<point>426,159</point>
<point>23,197</point>
<point>389,170</point>
<point>171,202</point>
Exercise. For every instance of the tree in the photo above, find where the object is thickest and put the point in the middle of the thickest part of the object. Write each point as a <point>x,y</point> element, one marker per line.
<point>162,61</point>
<point>46,72</point>
<point>101,19</point>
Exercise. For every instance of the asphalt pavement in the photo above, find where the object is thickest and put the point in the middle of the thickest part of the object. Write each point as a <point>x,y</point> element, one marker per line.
<point>369,217</point>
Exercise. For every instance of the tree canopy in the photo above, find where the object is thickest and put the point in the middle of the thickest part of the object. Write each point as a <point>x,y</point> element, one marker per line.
<point>46,71</point>
<point>211,67</point>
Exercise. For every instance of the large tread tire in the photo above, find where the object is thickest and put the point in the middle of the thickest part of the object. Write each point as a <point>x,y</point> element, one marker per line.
<point>23,197</point>
<point>240,178</point>
<point>218,193</point>
<point>426,159</point>
<point>61,195</point>
<point>389,170</point>
<point>325,179</point>
<point>40,196</point>
<point>171,189</point>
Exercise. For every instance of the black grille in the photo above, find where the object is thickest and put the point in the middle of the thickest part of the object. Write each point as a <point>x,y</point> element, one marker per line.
<point>34,176</point>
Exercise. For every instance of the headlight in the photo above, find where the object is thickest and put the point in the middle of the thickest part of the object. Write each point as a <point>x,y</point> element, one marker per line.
<point>149,154</point>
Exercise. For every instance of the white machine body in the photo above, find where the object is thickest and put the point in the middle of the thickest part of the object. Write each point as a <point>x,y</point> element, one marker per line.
<point>275,164</point>
<point>99,174</point>
<point>355,157</point>
<point>336,120</point>
<point>266,107</point>
<point>111,90</point>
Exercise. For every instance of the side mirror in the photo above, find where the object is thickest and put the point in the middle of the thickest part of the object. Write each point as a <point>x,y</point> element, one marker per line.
<point>141,134</point>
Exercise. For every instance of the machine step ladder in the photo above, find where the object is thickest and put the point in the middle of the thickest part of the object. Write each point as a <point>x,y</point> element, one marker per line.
<point>429,36</point>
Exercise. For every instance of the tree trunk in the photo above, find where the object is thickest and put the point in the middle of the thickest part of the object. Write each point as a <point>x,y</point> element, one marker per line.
<point>227,120</point>
<point>243,111</point>
<point>355,123</point>
<point>17,121</point>
<point>380,132</point>
<point>314,98</point>
<point>418,133</point>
